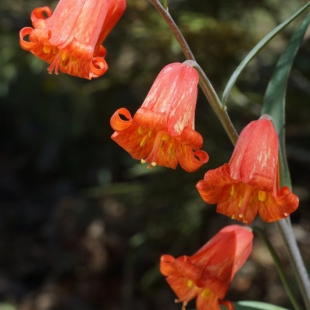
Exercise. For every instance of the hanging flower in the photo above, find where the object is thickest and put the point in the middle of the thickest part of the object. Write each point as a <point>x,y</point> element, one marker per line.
<point>249,183</point>
<point>70,38</point>
<point>208,273</point>
<point>162,130</point>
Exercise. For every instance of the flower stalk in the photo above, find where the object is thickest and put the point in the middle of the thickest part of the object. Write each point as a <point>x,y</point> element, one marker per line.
<point>287,234</point>
<point>278,266</point>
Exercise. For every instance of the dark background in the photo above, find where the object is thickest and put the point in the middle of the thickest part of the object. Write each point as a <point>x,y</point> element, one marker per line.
<point>82,224</point>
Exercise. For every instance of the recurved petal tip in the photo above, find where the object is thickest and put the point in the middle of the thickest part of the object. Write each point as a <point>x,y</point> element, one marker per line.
<point>167,265</point>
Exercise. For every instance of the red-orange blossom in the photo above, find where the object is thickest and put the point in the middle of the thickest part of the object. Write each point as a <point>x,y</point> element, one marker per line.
<point>70,38</point>
<point>249,183</point>
<point>162,132</point>
<point>208,273</point>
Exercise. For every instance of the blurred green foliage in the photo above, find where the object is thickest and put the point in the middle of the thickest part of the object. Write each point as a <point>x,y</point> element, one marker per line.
<point>82,224</point>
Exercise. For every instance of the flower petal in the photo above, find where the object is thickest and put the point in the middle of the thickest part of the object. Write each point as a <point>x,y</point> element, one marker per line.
<point>155,121</point>
<point>26,45</point>
<point>256,152</point>
<point>279,206</point>
<point>117,123</point>
<point>210,188</point>
<point>221,257</point>
<point>190,138</point>
<point>191,161</point>
<point>115,11</point>
<point>207,300</point>
<point>227,304</point>
<point>184,288</point>
<point>63,22</point>
<point>167,265</point>
<point>239,201</point>
<point>98,66</point>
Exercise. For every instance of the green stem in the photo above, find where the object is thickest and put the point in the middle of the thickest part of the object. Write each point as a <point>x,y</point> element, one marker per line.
<point>279,267</point>
<point>287,234</point>
<point>204,82</point>
<point>215,102</point>
<point>174,28</point>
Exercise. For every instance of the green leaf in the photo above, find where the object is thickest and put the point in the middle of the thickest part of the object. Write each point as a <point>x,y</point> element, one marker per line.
<point>274,100</point>
<point>257,48</point>
<point>255,305</point>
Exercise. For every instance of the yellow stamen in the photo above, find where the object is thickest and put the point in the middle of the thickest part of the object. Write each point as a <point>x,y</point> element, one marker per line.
<point>165,137</point>
<point>232,190</point>
<point>190,283</point>
<point>171,150</point>
<point>141,130</point>
<point>240,215</point>
<point>46,49</point>
<point>262,196</point>
<point>143,161</point>
<point>233,217</point>
<point>153,164</point>
<point>64,56</point>
<point>150,133</point>
<point>240,202</point>
<point>205,293</point>
<point>143,141</point>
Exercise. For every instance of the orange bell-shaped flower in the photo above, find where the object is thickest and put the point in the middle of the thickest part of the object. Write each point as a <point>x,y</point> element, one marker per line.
<point>162,130</point>
<point>249,183</point>
<point>208,273</point>
<point>70,38</point>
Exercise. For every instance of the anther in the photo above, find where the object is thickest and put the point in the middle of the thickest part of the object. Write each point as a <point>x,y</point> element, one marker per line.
<point>64,56</point>
<point>143,141</point>
<point>261,196</point>
<point>46,49</point>
<point>232,190</point>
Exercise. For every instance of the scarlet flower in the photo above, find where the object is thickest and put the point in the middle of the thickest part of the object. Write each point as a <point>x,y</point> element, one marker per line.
<point>70,38</point>
<point>208,273</point>
<point>162,130</point>
<point>249,183</point>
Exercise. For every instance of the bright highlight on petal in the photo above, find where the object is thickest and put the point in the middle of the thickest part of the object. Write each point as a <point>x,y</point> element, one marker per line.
<point>70,38</point>
<point>162,131</point>
<point>208,273</point>
<point>249,183</point>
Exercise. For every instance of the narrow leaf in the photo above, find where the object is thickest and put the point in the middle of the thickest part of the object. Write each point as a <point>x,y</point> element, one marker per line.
<point>257,48</point>
<point>255,305</point>
<point>274,100</point>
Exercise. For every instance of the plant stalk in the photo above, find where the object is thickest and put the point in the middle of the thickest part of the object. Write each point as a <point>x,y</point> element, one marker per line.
<point>287,234</point>
<point>279,267</point>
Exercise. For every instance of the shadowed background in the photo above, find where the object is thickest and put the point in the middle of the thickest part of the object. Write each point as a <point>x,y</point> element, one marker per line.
<point>82,224</point>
